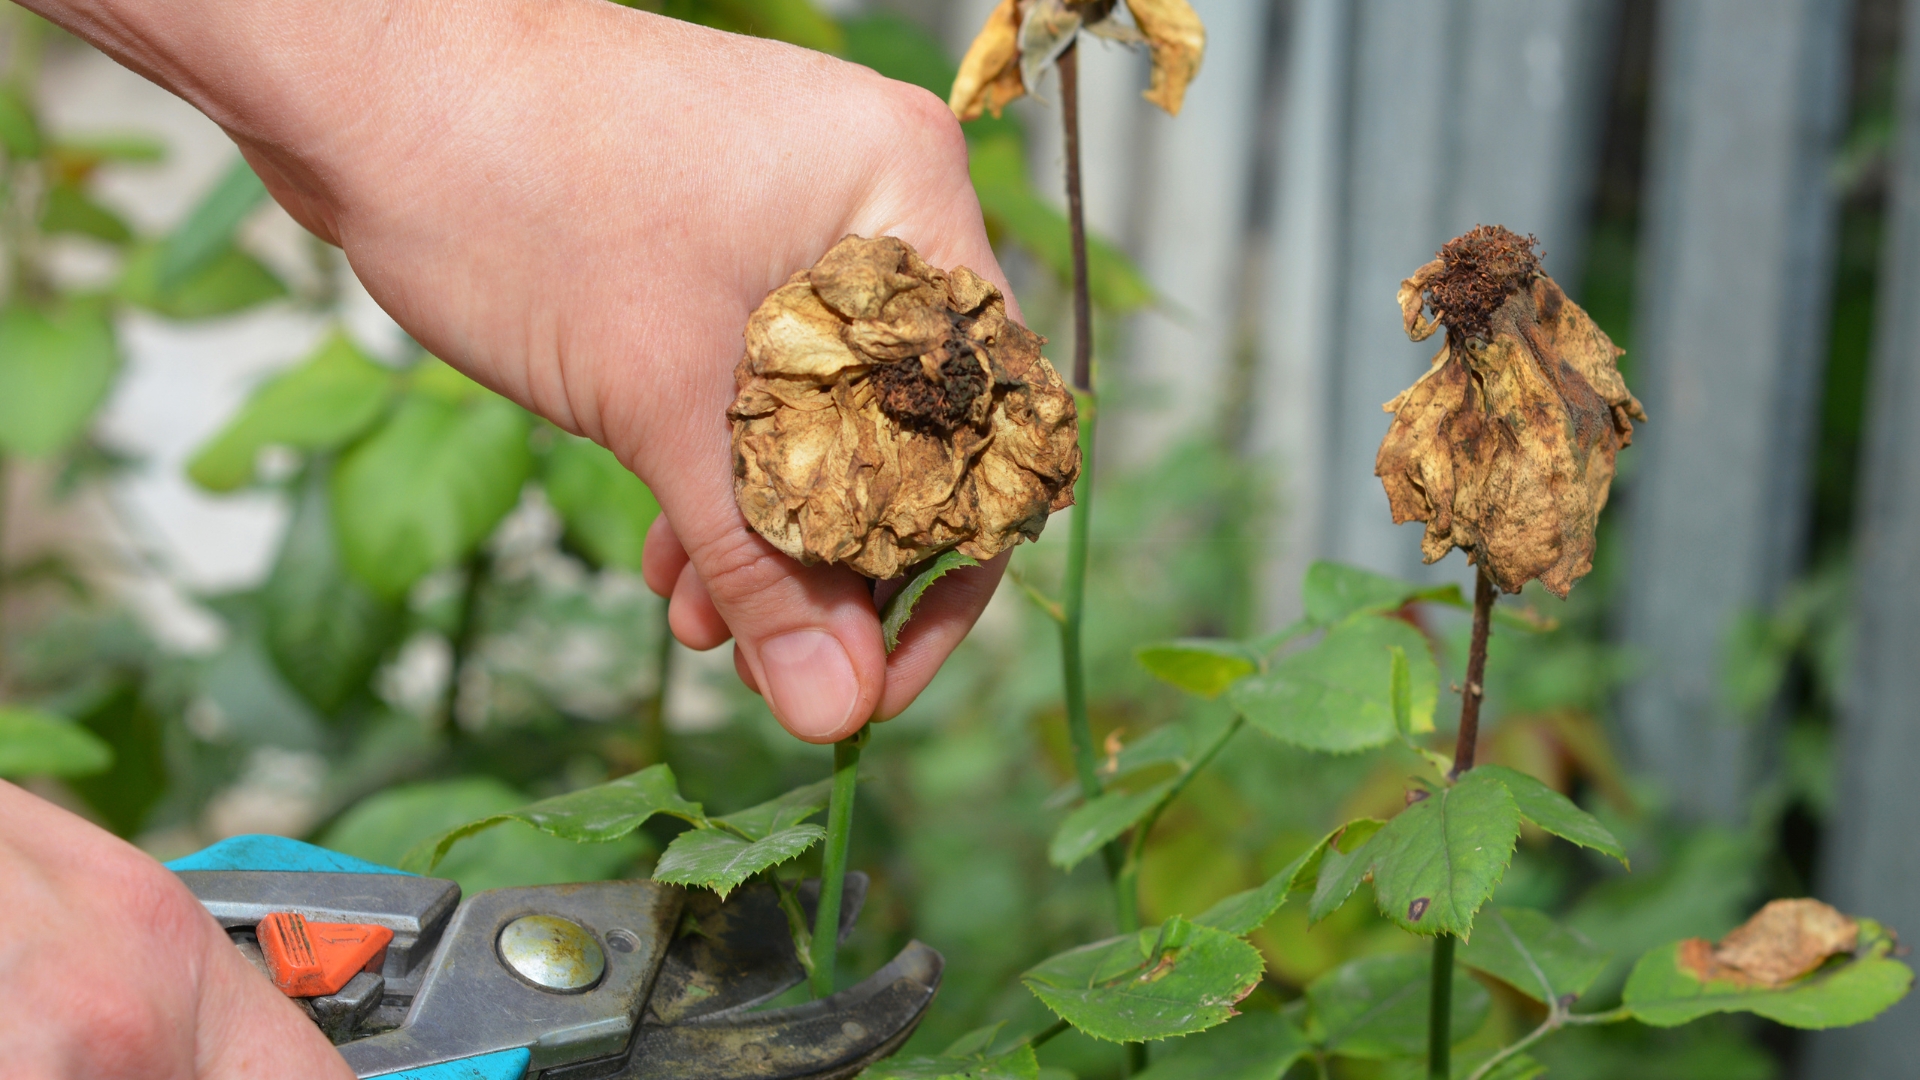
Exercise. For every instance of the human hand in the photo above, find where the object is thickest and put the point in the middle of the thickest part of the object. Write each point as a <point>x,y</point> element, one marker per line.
<point>109,968</point>
<point>578,205</point>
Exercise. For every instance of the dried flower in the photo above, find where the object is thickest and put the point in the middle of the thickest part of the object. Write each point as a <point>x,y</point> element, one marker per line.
<point>888,411</point>
<point>1783,941</point>
<point>1505,447</point>
<point>1021,37</point>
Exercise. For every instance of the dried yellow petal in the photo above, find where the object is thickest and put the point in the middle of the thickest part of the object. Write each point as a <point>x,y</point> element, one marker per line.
<point>1505,447</point>
<point>888,411</point>
<point>1178,40</point>
<point>990,72</point>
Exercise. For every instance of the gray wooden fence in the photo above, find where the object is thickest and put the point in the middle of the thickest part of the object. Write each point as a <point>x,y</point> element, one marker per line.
<point>1330,146</point>
<point>1874,840</point>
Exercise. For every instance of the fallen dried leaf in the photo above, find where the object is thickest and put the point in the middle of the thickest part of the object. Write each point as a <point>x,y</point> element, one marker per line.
<point>1021,38</point>
<point>1505,447</point>
<point>888,411</point>
<point>1786,939</point>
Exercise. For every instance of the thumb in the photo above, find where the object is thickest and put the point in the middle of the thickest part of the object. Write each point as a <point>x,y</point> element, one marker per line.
<point>807,636</point>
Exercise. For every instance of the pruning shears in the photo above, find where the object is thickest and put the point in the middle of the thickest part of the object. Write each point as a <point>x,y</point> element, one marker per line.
<point>616,980</point>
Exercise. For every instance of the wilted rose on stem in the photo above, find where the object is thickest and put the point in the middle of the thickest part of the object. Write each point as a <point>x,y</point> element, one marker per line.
<point>1505,447</point>
<point>1021,37</point>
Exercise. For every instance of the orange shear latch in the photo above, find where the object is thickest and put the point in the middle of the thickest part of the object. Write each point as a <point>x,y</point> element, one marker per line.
<point>308,959</point>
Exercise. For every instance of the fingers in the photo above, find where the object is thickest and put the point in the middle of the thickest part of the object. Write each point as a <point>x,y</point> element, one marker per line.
<point>114,971</point>
<point>940,621</point>
<point>807,635</point>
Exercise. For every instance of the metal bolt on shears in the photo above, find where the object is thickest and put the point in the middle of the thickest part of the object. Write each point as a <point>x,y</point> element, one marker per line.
<point>616,980</point>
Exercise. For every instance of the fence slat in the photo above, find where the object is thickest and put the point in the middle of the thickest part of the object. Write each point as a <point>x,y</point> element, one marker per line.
<point>1732,315</point>
<point>1873,861</point>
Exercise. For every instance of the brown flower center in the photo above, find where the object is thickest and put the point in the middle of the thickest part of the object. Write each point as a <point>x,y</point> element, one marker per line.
<point>1480,270</point>
<point>934,392</point>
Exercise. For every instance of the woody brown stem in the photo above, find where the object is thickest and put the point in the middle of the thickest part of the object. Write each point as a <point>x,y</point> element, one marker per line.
<point>1069,67</point>
<point>1484,594</point>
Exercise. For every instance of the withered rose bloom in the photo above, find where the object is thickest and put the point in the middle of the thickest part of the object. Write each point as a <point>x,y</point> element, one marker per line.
<point>1505,447</point>
<point>1021,37</point>
<point>888,411</point>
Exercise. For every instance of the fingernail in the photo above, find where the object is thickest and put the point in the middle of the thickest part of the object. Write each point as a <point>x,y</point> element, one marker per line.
<point>810,682</point>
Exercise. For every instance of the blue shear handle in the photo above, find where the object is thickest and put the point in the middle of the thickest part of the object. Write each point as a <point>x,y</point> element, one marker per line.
<point>261,852</point>
<point>505,1065</point>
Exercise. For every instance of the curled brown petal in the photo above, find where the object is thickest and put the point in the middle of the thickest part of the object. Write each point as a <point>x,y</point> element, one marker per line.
<point>1178,40</point>
<point>989,75</point>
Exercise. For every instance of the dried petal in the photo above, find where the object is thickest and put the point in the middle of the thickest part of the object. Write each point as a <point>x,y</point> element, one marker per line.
<point>1506,446</point>
<point>1047,29</point>
<point>888,411</point>
<point>990,72</point>
<point>1786,939</point>
<point>1178,40</point>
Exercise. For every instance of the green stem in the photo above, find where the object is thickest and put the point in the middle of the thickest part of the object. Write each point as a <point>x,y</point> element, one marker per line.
<point>1553,1021</point>
<point>1439,1037</point>
<point>796,921</point>
<point>1127,884</point>
<point>653,714</point>
<point>466,634</point>
<point>1440,1011</point>
<point>833,865</point>
<point>1040,1038</point>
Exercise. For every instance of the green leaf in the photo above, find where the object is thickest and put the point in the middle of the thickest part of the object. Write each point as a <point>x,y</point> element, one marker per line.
<point>424,490</point>
<point>893,618</point>
<point>125,794</point>
<point>1664,992</point>
<point>796,22</point>
<point>72,211</point>
<point>1102,819</point>
<point>19,126</point>
<point>1333,591</point>
<point>1337,696</point>
<point>1556,813</point>
<point>323,404</point>
<point>325,631</point>
<point>969,1058</point>
<point>782,813</point>
<point>1256,1046</point>
<point>1174,979</point>
<point>1376,1007</point>
<point>210,227</point>
<point>596,814</point>
<point>1203,666</point>
<point>719,860</point>
<point>228,281</point>
<point>1533,954</point>
<point>55,369</point>
<point>1244,912</point>
<point>88,151</point>
<point>999,170</point>
<point>33,743</point>
<point>1400,695</point>
<point>899,49</point>
<point>1343,866</point>
<point>607,510</point>
<point>383,827</point>
<point>1438,860</point>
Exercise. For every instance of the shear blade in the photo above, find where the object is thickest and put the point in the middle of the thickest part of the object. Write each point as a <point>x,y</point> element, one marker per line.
<point>737,953</point>
<point>829,1039</point>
